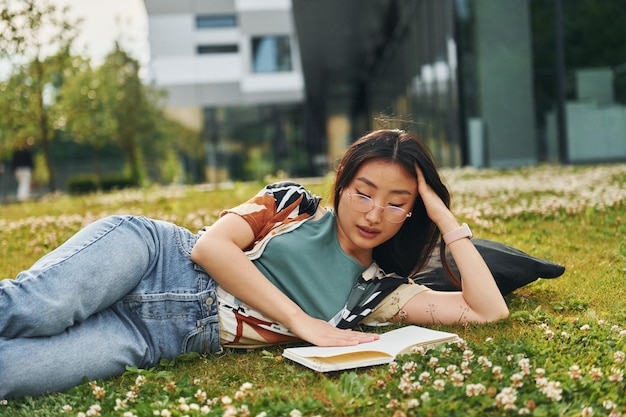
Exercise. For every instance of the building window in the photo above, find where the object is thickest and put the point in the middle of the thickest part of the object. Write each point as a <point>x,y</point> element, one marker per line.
<point>217,49</point>
<point>271,54</point>
<point>216,21</point>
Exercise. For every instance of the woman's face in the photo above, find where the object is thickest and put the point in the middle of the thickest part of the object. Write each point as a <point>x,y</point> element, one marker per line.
<point>387,184</point>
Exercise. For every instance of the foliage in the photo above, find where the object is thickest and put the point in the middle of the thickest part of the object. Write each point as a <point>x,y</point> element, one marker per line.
<point>37,37</point>
<point>560,353</point>
<point>51,93</point>
<point>82,184</point>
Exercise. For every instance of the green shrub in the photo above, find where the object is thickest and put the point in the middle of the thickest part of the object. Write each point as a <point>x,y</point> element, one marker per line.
<point>82,184</point>
<point>115,182</point>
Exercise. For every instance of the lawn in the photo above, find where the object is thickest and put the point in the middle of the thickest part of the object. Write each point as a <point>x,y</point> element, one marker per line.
<point>560,353</point>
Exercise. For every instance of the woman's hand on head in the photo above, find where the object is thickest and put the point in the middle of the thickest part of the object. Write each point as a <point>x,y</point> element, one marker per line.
<point>435,207</point>
<point>322,333</point>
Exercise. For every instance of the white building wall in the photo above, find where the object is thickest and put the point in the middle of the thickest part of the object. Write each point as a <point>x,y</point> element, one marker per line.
<point>194,79</point>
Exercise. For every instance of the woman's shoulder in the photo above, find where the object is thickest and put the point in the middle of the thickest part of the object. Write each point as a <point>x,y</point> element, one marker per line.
<point>287,193</point>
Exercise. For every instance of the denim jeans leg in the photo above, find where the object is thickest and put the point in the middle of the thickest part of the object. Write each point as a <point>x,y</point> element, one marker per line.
<point>99,347</point>
<point>123,291</point>
<point>89,272</point>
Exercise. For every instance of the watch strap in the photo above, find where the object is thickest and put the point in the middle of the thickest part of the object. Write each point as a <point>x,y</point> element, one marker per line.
<point>457,234</point>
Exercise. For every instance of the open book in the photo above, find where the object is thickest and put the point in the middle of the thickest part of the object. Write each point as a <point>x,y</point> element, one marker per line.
<point>384,350</point>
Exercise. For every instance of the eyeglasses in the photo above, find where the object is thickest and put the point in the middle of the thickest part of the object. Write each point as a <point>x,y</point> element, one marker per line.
<point>364,204</point>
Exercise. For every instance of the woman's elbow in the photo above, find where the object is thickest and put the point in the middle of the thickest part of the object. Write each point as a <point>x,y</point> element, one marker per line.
<point>497,315</point>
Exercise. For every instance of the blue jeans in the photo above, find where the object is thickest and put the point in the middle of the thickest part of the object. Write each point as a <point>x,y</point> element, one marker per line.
<point>122,291</point>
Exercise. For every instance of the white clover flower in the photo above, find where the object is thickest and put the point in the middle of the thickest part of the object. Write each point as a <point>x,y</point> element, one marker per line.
<point>565,335</point>
<point>497,372</point>
<point>409,367</point>
<point>457,379</point>
<point>472,390</point>
<point>617,375</point>
<point>524,365</point>
<point>405,386</point>
<point>549,334</point>
<point>120,404</point>
<point>465,368</point>
<point>433,362</point>
<point>541,382</point>
<point>440,370</point>
<point>552,390</point>
<point>140,380</point>
<point>131,396</point>
<point>574,372</point>
<point>587,412</point>
<point>201,396</point>
<point>619,357</point>
<point>412,403</point>
<point>226,400</point>
<point>608,404</point>
<point>229,411</point>
<point>246,386</point>
<point>439,384</point>
<point>295,413</point>
<point>517,380</point>
<point>424,377</point>
<point>65,409</point>
<point>418,350</point>
<point>94,410</point>
<point>585,327</point>
<point>468,355</point>
<point>506,398</point>
<point>596,374</point>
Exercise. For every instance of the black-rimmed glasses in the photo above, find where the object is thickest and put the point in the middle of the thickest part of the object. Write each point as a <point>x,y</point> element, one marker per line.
<point>364,204</point>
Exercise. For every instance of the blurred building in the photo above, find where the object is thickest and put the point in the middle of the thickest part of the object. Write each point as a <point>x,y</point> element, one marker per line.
<point>279,84</point>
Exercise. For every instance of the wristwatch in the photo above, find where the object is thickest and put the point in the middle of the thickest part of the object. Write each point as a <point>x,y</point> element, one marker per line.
<point>456,234</point>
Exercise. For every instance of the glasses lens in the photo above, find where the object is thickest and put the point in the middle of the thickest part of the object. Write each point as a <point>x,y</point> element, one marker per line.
<point>394,214</point>
<point>365,204</point>
<point>361,203</point>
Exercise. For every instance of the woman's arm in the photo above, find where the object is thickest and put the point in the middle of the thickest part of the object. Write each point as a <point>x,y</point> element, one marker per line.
<point>479,300</point>
<point>220,252</point>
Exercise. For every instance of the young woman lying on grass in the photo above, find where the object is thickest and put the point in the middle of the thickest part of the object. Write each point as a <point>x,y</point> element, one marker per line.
<point>129,291</point>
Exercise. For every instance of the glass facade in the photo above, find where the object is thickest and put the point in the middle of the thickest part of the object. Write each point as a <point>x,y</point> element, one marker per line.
<point>414,85</point>
<point>250,142</point>
<point>504,83</point>
<point>486,83</point>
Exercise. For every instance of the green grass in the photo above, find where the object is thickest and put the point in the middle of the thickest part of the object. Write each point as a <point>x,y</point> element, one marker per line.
<point>575,216</point>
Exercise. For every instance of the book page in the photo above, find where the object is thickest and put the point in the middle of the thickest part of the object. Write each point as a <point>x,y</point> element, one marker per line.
<point>390,343</point>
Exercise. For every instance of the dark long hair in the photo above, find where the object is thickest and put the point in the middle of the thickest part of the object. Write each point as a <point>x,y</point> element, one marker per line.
<point>408,251</point>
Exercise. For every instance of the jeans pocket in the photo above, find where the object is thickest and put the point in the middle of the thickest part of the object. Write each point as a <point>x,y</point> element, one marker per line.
<point>176,323</point>
<point>205,338</point>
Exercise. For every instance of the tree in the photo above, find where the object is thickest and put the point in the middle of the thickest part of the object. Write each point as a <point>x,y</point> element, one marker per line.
<point>125,100</point>
<point>36,37</point>
<point>83,103</point>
